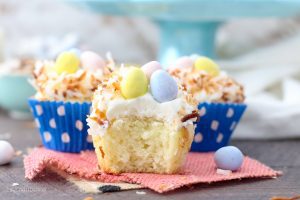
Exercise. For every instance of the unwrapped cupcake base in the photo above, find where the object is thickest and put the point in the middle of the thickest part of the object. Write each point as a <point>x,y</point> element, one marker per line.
<point>216,124</point>
<point>62,125</point>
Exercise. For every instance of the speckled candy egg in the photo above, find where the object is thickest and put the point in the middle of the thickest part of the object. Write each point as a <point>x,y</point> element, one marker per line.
<point>91,61</point>
<point>151,67</point>
<point>229,158</point>
<point>163,86</point>
<point>183,62</point>
<point>67,62</point>
<point>134,84</point>
<point>6,152</point>
<point>208,65</point>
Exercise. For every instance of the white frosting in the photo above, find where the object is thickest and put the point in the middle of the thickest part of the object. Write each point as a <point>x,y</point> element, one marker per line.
<point>108,104</point>
<point>146,106</point>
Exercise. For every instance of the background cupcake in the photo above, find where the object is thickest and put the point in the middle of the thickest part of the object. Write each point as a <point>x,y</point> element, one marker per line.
<point>221,100</point>
<point>15,73</point>
<point>63,98</point>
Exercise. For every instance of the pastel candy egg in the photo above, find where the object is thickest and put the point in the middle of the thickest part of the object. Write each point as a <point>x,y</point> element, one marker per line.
<point>6,152</point>
<point>163,86</point>
<point>184,62</point>
<point>229,158</point>
<point>134,84</point>
<point>208,65</point>
<point>66,62</point>
<point>92,61</point>
<point>151,67</point>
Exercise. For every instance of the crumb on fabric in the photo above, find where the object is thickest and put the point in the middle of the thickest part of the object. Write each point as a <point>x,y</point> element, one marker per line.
<point>141,192</point>
<point>224,172</point>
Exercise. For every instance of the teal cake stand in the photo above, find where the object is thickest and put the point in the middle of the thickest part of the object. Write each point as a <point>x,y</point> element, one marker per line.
<point>190,26</point>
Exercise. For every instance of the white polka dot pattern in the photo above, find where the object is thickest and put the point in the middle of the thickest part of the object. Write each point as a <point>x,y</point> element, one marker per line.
<point>39,110</point>
<point>214,125</point>
<point>202,111</point>
<point>65,138</point>
<point>47,136</point>
<point>198,137</point>
<point>233,125</point>
<point>52,123</point>
<point>79,125</point>
<point>61,111</point>
<point>230,113</point>
<point>220,138</point>
<point>37,123</point>
<point>89,139</point>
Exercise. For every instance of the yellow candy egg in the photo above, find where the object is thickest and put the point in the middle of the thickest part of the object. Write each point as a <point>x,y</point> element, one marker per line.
<point>208,65</point>
<point>67,62</point>
<point>134,84</point>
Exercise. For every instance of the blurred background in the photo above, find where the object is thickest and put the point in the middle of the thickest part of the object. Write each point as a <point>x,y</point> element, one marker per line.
<point>261,53</point>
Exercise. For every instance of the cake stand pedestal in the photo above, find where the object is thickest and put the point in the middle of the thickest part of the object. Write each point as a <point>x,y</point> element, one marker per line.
<point>190,26</point>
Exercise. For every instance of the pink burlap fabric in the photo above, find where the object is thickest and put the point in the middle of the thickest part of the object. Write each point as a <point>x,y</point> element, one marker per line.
<point>199,168</point>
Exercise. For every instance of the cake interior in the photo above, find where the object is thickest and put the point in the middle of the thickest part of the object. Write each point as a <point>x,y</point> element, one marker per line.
<point>133,144</point>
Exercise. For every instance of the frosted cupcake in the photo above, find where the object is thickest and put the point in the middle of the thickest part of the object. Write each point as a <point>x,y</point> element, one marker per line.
<point>63,99</point>
<point>220,98</point>
<point>141,121</point>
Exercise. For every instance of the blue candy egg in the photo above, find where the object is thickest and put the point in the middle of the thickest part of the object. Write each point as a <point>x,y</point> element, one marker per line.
<point>229,158</point>
<point>163,86</point>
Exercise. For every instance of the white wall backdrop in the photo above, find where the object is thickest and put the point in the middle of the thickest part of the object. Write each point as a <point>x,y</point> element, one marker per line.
<point>130,40</point>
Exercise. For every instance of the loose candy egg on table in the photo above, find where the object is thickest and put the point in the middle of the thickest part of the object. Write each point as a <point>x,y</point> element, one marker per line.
<point>163,86</point>
<point>151,67</point>
<point>91,60</point>
<point>134,84</point>
<point>6,152</point>
<point>67,62</point>
<point>229,158</point>
<point>208,65</point>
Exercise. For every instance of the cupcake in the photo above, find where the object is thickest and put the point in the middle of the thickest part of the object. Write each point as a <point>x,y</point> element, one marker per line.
<point>63,98</point>
<point>220,100</point>
<point>141,121</point>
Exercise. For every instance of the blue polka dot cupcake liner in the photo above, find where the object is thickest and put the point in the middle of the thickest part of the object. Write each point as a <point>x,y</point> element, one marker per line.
<point>216,125</point>
<point>62,125</point>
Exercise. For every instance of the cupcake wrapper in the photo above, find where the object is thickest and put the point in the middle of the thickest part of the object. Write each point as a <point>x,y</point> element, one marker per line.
<point>62,125</point>
<point>216,124</point>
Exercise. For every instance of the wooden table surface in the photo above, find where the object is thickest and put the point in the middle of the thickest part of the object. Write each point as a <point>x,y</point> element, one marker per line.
<point>281,155</point>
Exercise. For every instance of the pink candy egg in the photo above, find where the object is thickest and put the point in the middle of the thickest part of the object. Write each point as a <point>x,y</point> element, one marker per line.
<point>151,67</point>
<point>91,61</point>
<point>182,62</point>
